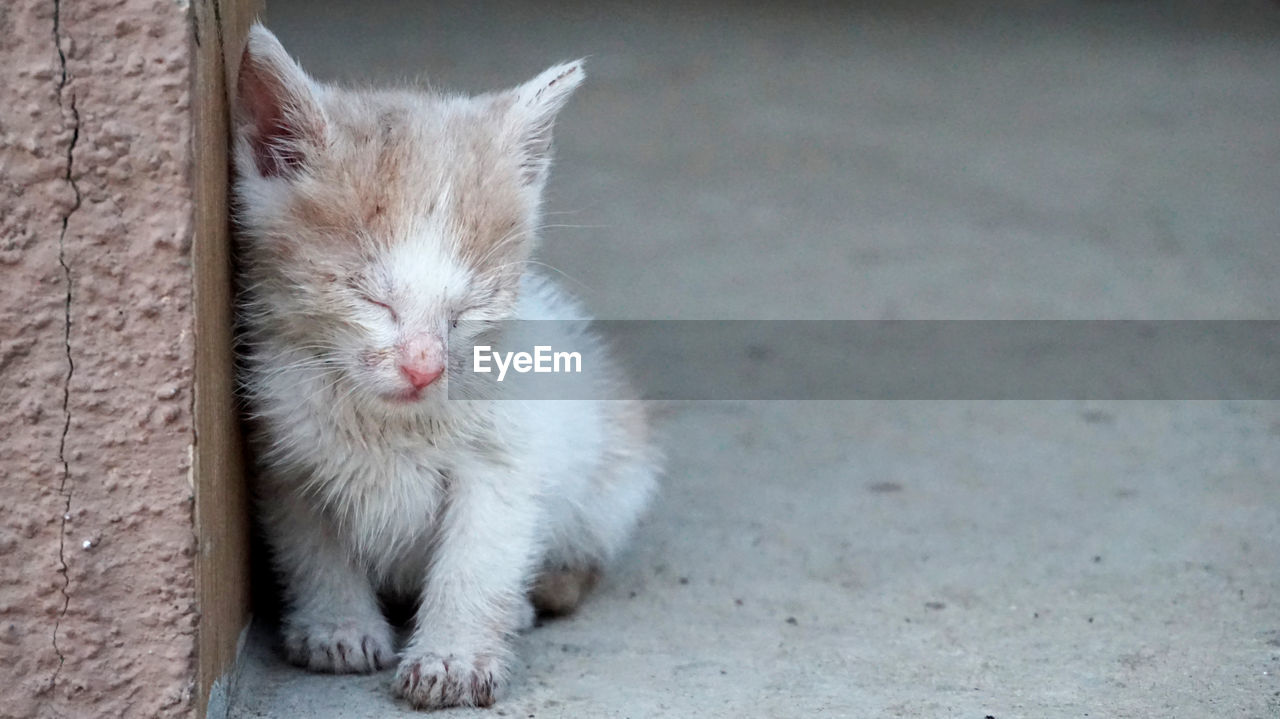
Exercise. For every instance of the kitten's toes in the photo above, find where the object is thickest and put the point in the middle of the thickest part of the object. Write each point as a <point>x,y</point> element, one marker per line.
<point>349,647</point>
<point>433,681</point>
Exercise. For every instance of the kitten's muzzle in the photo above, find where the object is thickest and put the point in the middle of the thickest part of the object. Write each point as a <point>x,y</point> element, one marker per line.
<point>421,360</point>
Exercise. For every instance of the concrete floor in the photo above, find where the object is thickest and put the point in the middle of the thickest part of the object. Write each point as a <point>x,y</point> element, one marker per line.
<point>998,160</point>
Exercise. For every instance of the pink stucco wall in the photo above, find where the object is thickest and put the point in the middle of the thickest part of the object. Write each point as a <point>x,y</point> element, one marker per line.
<point>97,592</point>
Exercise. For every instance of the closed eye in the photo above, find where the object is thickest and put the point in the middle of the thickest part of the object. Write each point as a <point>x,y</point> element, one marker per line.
<point>383,305</point>
<point>459,315</point>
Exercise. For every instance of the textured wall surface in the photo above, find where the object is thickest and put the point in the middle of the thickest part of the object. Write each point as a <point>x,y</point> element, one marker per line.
<point>97,594</point>
<point>34,199</point>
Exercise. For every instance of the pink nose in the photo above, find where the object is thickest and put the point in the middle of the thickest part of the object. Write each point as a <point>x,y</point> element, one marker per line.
<point>420,378</point>
<point>421,360</point>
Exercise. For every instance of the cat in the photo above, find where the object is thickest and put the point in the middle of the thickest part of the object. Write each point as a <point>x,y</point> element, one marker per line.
<point>381,232</point>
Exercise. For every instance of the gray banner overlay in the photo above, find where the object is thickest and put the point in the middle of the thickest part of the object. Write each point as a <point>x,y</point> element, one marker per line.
<point>909,359</point>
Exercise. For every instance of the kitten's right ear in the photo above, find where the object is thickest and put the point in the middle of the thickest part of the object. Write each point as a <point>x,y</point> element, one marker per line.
<point>533,108</point>
<point>276,110</point>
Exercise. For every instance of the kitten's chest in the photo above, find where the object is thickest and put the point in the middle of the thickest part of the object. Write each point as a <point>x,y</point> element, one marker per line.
<point>385,505</point>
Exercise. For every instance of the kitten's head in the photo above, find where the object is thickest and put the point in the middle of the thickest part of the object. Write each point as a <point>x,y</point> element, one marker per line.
<point>374,222</point>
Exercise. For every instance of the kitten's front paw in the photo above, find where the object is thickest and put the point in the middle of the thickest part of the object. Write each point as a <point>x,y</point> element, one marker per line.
<point>340,647</point>
<point>432,681</point>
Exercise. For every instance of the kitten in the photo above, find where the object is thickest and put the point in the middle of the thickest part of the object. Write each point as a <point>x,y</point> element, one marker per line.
<point>380,231</point>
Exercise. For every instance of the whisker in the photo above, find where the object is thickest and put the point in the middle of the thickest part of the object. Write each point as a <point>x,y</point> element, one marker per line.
<point>553,268</point>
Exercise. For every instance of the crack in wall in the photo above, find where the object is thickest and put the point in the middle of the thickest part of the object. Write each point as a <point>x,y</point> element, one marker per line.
<point>69,177</point>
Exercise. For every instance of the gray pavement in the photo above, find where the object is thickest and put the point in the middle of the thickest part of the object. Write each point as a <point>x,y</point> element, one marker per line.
<point>995,160</point>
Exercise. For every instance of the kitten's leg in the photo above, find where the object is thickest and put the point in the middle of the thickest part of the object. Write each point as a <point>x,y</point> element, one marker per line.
<point>589,518</point>
<point>526,616</point>
<point>331,622</point>
<point>474,599</point>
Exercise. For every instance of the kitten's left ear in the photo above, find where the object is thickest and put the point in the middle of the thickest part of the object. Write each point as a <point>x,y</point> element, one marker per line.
<point>533,110</point>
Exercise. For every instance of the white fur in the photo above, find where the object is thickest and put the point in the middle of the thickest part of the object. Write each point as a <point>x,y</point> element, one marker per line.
<point>455,503</point>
